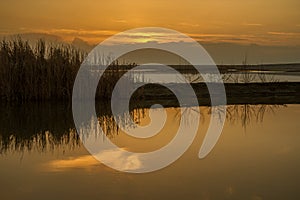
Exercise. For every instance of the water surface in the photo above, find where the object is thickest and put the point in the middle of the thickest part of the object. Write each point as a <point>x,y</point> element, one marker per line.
<point>256,157</point>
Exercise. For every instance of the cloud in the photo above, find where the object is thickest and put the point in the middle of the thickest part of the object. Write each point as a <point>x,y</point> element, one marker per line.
<point>94,36</point>
<point>230,38</point>
<point>119,20</point>
<point>252,24</point>
<point>284,33</point>
<point>188,24</point>
<point>91,35</point>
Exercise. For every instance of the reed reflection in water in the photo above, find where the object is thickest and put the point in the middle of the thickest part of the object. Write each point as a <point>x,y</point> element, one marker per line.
<point>263,164</point>
<point>48,126</point>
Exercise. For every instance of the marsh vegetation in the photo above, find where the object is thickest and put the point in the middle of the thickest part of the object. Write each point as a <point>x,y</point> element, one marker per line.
<point>42,72</point>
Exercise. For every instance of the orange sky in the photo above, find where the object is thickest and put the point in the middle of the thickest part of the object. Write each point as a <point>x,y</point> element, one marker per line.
<point>268,22</point>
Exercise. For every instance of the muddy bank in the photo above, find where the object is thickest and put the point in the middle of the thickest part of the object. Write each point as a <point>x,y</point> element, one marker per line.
<point>236,93</point>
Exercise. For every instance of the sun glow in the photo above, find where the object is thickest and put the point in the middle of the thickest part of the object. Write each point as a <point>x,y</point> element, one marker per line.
<point>94,21</point>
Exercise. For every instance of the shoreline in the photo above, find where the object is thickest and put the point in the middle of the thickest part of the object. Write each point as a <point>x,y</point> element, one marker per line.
<point>236,93</point>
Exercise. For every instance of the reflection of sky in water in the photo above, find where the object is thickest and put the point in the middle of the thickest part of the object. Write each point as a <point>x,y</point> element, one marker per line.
<point>259,162</point>
<point>113,156</point>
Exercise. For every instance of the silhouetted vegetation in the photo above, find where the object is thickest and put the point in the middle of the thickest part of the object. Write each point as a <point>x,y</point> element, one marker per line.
<point>37,72</point>
<point>45,72</point>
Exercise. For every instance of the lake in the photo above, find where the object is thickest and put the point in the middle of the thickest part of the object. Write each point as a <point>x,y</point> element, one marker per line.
<point>256,157</point>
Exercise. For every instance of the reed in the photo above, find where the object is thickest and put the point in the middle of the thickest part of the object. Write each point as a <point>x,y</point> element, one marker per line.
<point>37,72</point>
<point>43,72</point>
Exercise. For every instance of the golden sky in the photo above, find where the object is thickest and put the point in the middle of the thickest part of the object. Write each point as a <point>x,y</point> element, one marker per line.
<point>268,22</point>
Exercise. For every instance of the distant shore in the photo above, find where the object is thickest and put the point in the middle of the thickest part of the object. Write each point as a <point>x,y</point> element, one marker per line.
<point>236,93</point>
<point>281,68</point>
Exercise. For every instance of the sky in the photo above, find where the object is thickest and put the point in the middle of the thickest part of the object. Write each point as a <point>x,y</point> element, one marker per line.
<point>272,23</point>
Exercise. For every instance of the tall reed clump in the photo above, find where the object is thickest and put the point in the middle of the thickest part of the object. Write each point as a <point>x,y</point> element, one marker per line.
<point>44,72</point>
<point>37,72</point>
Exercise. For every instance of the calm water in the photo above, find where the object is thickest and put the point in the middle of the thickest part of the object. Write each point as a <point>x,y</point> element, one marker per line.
<point>256,157</point>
